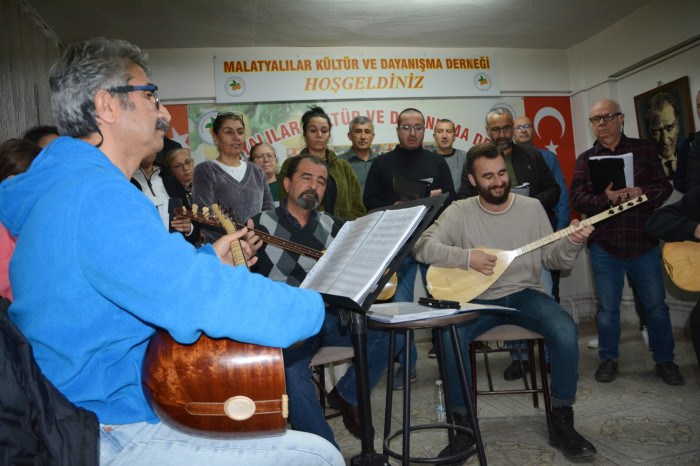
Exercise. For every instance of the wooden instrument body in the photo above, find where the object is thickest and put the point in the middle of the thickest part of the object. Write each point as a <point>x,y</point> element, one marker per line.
<point>454,284</point>
<point>217,387</point>
<point>188,386</point>
<point>682,262</point>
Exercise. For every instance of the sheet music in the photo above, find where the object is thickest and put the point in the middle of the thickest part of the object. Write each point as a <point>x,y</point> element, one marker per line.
<point>628,160</point>
<point>361,252</point>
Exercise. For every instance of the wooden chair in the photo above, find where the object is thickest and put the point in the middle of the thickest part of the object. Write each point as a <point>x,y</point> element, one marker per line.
<point>506,333</point>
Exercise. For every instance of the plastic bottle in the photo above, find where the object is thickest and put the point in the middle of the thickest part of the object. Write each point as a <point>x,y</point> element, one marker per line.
<point>439,402</point>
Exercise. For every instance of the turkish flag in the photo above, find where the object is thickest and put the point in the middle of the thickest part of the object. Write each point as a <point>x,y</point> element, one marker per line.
<point>551,118</point>
<point>179,127</point>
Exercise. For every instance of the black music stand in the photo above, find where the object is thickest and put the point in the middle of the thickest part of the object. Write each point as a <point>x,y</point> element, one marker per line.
<point>358,326</point>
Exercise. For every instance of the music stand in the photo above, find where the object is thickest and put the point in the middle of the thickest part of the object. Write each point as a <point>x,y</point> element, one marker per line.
<point>358,326</point>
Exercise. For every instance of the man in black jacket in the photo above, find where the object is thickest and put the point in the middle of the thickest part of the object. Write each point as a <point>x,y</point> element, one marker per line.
<point>524,165</point>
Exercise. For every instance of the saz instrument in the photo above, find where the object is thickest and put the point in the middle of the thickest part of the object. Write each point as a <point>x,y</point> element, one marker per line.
<point>204,217</point>
<point>216,387</point>
<point>682,262</point>
<point>456,284</point>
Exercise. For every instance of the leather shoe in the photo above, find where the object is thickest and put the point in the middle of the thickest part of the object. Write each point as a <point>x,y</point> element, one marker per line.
<point>513,371</point>
<point>607,371</point>
<point>669,373</point>
<point>563,436</point>
<point>350,412</point>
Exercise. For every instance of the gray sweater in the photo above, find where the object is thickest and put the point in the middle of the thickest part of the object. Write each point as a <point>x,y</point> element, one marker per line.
<point>246,198</point>
<point>465,224</point>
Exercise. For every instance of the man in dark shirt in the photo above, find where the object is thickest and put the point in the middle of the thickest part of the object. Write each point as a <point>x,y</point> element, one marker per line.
<point>619,244</point>
<point>408,161</point>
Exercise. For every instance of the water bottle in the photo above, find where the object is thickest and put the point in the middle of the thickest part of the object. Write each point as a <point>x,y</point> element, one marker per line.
<point>439,402</point>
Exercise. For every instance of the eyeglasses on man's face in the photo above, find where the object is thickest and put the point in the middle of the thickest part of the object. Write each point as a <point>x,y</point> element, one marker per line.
<point>416,128</point>
<point>150,90</point>
<point>497,130</point>
<point>181,166</point>
<point>609,117</point>
<point>523,127</point>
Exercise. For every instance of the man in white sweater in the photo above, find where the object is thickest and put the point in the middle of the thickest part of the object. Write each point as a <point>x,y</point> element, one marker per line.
<point>501,220</point>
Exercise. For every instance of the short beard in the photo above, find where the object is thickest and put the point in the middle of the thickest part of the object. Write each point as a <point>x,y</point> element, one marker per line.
<point>504,144</point>
<point>308,200</point>
<point>486,195</point>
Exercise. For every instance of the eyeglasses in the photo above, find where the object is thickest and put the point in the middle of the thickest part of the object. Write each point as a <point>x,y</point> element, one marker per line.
<point>523,127</point>
<point>264,157</point>
<point>609,117</point>
<point>497,130</point>
<point>416,128</point>
<point>153,89</point>
<point>181,166</point>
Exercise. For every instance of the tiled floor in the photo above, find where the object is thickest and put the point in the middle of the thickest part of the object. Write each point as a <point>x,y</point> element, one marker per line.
<point>637,419</point>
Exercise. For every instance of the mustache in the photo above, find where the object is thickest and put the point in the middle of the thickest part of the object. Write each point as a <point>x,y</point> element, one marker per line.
<point>162,124</point>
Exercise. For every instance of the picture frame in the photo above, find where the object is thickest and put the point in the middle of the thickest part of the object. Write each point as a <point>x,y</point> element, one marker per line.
<point>655,119</point>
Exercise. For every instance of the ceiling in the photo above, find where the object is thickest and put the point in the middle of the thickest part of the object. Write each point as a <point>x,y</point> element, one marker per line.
<point>549,24</point>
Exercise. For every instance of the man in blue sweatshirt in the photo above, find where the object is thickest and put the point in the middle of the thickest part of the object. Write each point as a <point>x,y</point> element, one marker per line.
<point>95,273</point>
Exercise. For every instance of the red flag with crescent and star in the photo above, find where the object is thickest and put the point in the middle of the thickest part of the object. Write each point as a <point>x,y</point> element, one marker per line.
<point>551,118</point>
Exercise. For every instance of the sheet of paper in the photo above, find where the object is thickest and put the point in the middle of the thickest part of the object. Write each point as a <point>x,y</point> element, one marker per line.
<point>361,251</point>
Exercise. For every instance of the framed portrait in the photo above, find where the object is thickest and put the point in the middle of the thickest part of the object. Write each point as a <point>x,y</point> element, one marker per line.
<point>664,117</point>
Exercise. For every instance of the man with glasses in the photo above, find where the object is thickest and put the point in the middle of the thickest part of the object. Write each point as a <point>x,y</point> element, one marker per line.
<point>620,244</point>
<point>407,164</point>
<point>93,284</point>
<point>360,156</point>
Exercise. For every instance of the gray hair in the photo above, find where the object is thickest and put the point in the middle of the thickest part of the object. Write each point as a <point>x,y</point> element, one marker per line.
<point>85,68</point>
<point>499,110</point>
<point>360,120</point>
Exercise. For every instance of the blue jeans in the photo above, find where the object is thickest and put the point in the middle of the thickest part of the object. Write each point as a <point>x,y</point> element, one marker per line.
<point>538,312</point>
<point>143,443</point>
<point>546,280</point>
<point>406,276</point>
<point>305,412</point>
<point>645,273</point>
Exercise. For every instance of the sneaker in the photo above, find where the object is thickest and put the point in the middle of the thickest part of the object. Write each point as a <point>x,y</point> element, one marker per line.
<point>432,353</point>
<point>513,371</point>
<point>563,436</point>
<point>398,378</point>
<point>668,371</point>
<point>645,336</point>
<point>593,344</point>
<point>607,371</point>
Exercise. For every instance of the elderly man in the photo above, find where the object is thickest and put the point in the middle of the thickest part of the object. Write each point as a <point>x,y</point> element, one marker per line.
<point>662,126</point>
<point>296,220</point>
<point>488,220</point>
<point>620,243</point>
<point>408,161</point>
<point>360,156</point>
<point>93,284</point>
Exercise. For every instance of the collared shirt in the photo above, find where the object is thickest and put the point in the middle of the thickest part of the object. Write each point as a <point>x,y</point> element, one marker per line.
<point>359,166</point>
<point>292,219</point>
<point>622,235</point>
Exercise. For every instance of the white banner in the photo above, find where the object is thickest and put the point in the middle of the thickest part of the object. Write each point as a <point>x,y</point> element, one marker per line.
<point>249,78</point>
